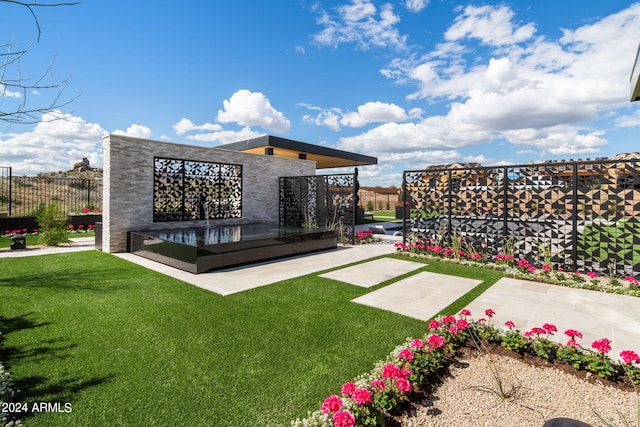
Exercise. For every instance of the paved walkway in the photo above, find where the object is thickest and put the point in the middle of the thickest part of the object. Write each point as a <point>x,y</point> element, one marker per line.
<point>79,244</point>
<point>595,314</point>
<point>238,279</point>
<point>421,295</point>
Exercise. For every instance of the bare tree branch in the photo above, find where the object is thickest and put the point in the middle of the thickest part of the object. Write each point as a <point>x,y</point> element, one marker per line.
<point>30,7</point>
<point>13,86</point>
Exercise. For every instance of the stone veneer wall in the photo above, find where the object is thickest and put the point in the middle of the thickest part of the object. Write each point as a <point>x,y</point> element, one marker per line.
<point>128,185</point>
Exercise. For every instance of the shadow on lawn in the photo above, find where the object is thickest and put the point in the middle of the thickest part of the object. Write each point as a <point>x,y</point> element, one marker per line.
<point>18,323</point>
<point>39,388</point>
<point>69,280</point>
<point>40,350</point>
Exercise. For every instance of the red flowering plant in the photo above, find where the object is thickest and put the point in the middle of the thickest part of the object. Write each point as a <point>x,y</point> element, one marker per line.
<point>362,237</point>
<point>571,352</point>
<point>540,342</point>
<point>484,329</point>
<point>366,400</point>
<point>462,252</point>
<point>598,362</point>
<point>513,340</point>
<point>631,366</point>
<point>91,210</point>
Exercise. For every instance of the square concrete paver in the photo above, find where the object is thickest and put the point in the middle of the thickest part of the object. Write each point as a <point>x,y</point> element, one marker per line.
<point>374,272</point>
<point>420,296</point>
<point>595,314</point>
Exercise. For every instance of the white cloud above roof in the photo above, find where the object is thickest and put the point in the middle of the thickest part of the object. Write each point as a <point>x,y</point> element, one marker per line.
<point>248,108</point>
<point>136,131</point>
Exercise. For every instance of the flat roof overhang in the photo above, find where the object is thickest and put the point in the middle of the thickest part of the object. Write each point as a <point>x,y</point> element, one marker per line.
<point>635,78</point>
<point>324,157</point>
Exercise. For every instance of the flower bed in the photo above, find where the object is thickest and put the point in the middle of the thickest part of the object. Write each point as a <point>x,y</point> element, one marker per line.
<point>522,269</point>
<point>84,220</point>
<point>370,397</point>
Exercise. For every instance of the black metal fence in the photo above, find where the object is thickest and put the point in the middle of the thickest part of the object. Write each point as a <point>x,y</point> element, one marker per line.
<point>5,189</point>
<point>319,201</point>
<point>22,195</point>
<point>583,215</point>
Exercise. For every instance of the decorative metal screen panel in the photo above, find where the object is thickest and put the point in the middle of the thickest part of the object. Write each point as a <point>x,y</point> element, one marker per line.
<point>318,201</point>
<point>584,215</point>
<point>189,190</point>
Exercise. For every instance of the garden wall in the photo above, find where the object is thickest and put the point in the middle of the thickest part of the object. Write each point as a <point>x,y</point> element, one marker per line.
<point>129,185</point>
<point>580,215</point>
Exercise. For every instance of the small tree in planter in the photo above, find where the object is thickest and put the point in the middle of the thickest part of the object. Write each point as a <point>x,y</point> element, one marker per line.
<point>53,224</point>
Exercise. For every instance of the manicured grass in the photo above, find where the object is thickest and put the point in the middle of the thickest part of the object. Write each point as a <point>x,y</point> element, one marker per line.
<point>128,346</point>
<point>385,214</point>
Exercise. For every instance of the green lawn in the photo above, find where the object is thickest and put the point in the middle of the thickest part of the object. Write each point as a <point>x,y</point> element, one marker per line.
<point>128,346</point>
<point>382,216</point>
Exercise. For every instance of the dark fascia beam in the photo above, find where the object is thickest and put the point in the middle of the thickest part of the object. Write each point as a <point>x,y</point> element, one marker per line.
<point>289,144</point>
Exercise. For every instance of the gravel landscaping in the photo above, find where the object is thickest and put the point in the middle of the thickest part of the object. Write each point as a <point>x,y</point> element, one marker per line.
<point>467,396</point>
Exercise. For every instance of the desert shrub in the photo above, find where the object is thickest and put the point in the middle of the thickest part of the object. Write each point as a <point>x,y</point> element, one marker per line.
<point>53,224</point>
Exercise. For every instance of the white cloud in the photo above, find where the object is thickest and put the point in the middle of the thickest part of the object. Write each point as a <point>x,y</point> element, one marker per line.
<point>628,121</point>
<point>433,133</point>
<point>186,125</point>
<point>543,93</point>
<point>492,25</point>
<point>253,109</point>
<point>370,112</point>
<point>225,136</point>
<point>361,23</point>
<point>329,118</point>
<point>54,144</point>
<point>416,5</point>
<point>559,140</point>
<point>382,112</point>
<point>136,131</point>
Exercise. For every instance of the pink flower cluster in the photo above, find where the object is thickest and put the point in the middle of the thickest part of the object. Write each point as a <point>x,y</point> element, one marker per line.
<point>547,329</point>
<point>629,357</point>
<point>362,235</point>
<point>504,257</point>
<point>396,375</point>
<point>22,231</point>
<point>437,250</point>
<point>602,346</point>
<point>631,280</point>
<point>524,264</point>
<point>87,210</point>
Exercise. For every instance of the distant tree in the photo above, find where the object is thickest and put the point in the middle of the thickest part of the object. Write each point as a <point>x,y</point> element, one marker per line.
<point>14,85</point>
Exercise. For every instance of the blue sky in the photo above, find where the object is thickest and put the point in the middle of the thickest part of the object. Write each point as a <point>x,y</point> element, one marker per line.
<point>412,82</point>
